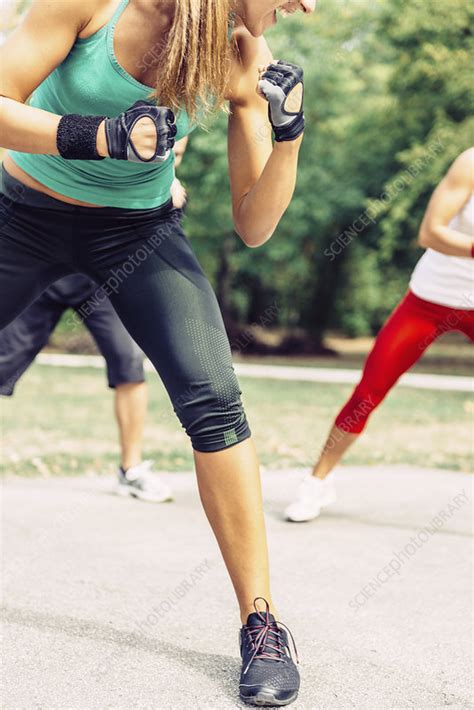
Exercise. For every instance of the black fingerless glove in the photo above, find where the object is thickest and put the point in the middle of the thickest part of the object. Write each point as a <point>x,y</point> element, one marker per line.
<point>276,84</point>
<point>76,137</point>
<point>118,132</point>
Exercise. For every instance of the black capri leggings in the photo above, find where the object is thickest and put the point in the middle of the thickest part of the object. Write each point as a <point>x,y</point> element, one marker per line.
<point>143,262</point>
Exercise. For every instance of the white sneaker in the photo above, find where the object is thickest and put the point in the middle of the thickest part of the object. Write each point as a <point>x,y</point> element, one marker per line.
<point>140,482</point>
<point>313,495</point>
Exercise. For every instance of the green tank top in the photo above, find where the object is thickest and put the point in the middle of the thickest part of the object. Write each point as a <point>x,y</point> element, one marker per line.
<point>90,81</point>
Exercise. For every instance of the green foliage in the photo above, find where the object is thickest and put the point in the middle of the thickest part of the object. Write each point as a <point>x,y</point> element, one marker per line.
<point>388,105</point>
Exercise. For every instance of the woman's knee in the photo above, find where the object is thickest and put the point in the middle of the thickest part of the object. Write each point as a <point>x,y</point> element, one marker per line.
<point>354,415</point>
<point>212,414</point>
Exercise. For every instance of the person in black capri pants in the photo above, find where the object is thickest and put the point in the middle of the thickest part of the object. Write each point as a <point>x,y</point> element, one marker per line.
<point>86,184</point>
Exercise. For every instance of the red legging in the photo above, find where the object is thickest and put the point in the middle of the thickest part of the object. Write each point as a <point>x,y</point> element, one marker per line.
<point>412,327</point>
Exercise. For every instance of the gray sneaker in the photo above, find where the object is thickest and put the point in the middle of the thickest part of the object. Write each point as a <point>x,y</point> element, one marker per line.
<point>269,673</point>
<point>140,482</point>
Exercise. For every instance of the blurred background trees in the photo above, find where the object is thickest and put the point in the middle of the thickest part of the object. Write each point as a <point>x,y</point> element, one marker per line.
<point>389,105</point>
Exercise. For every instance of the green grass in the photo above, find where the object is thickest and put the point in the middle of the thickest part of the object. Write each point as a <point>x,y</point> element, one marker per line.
<point>452,354</point>
<point>60,422</point>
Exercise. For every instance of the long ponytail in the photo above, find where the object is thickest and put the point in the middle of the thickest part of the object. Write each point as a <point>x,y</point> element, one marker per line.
<point>195,62</point>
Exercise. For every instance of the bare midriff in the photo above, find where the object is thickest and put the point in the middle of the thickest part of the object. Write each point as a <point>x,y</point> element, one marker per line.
<point>12,168</point>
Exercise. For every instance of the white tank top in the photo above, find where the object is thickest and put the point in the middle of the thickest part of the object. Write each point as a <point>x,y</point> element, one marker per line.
<point>448,280</point>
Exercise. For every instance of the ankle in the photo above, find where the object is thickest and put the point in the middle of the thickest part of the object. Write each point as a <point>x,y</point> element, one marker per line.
<point>248,608</point>
<point>320,474</point>
<point>130,463</point>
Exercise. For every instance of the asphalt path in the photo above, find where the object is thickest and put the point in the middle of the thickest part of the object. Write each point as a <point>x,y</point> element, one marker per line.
<point>113,603</point>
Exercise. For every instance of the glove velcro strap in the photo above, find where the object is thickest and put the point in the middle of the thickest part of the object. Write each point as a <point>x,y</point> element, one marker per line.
<point>117,135</point>
<point>76,137</point>
<point>291,131</point>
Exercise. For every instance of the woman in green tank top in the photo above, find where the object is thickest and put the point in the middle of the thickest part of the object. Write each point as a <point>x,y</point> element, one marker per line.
<point>94,93</point>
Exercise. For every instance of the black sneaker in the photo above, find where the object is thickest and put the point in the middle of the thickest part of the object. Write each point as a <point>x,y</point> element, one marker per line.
<point>269,674</point>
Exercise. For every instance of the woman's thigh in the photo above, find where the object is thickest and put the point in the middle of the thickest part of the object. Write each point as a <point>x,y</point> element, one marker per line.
<point>406,335</point>
<point>165,301</point>
<point>465,323</point>
<point>33,254</point>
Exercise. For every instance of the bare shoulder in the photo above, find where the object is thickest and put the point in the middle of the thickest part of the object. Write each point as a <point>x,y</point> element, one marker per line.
<point>73,13</point>
<point>42,41</point>
<point>95,14</point>
<point>461,171</point>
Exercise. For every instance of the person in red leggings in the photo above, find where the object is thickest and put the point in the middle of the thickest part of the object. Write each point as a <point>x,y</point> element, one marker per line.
<point>440,299</point>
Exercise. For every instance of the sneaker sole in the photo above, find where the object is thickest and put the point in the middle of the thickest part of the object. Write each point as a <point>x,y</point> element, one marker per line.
<point>126,491</point>
<point>302,520</point>
<point>266,698</point>
<point>326,502</point>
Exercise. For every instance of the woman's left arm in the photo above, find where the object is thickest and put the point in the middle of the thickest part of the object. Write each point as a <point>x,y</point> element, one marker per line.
<point>448,199</point>
<point>262,175</point>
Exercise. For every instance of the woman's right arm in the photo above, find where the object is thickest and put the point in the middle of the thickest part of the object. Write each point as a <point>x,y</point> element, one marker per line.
<point>27,57</point>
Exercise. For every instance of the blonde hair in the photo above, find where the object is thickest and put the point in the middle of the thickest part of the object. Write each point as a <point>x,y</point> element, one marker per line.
<point>195,63</point>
